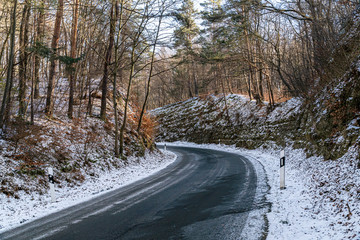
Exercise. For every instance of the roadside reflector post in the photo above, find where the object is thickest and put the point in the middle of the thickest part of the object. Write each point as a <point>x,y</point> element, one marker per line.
<point>165,147</point>
<point>282,169</point>
<point>51,183</point>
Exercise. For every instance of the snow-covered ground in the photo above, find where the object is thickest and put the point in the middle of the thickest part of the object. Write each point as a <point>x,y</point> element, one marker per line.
<point>28,207</point>
<point>321,199</point>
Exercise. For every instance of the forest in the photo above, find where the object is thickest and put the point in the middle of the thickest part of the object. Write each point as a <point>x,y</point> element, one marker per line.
<point>56,57</point>
<point>91,91</point>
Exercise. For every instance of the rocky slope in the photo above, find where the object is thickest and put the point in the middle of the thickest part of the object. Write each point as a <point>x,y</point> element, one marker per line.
<point>236,120</point>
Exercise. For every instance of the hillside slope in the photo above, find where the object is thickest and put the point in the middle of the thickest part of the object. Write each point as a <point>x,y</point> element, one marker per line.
<point>81,153</point>
<point>77,149</point>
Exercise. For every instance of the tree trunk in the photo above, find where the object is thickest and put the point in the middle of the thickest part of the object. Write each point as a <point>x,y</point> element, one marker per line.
<point>89,104</point>
<point>4,45</point>
<point>32,94</point>
<point>107,63</point>
<point>122,129</point>
<point>150,72</point>
<point>73,55</point>
<point>189,83</point>
<point>224,96</point>
<point>116,150</point>
<point>23,58</point>
<point>249,86</point>
<point>49,108</point>
<point>8,85</point>
<point>196,88</point>
<point>39,39</point>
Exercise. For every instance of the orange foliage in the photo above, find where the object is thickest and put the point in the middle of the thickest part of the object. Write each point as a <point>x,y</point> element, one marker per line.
<point>148,124</point>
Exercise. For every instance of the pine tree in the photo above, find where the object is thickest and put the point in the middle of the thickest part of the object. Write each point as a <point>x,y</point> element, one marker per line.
<point>185,36</point>
<point>187,30</point>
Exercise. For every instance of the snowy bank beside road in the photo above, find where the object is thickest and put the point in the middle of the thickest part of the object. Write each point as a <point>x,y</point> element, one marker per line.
<point>321,199</point>
<point>28,207</point>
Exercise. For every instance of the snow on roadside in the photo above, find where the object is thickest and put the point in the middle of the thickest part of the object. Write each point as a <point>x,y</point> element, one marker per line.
<point>14,212</point>
<point>321,199</point>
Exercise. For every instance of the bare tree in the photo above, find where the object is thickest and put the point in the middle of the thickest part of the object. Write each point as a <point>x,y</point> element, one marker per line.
<point>9,77</point>
<point>147,91</point>
<point>49,108</point>
<point>72,69</point>
<point>136,40</point>
<point>39,37</point>
<point>23,58</point>
<point>107,61</point>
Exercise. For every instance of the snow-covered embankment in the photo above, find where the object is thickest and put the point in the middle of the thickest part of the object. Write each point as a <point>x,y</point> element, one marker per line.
<point>14,212</point>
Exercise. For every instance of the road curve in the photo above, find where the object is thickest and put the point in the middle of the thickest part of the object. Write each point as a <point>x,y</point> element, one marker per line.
<point>205,194</point>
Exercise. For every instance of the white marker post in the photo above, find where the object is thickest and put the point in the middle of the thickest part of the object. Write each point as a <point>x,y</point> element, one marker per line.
<point>165,147</point>
<point>282,169</point>
<point>51,183</point>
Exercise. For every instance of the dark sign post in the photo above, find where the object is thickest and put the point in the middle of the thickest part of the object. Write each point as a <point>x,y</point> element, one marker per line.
<point>282,169</point>
<point>51,183</point>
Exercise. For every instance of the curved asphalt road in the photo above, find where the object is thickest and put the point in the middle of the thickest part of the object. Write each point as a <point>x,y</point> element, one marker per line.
<point>205,194</point>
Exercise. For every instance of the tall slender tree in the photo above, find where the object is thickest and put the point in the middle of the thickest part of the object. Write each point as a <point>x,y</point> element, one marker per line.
<point>49,108</point>
<point>107,61</point>
<point>116,67</point>
<point>23,57</point>
<point>134,57</point>
<point>9,76</point>
<point>147,91</point>
<point>185,35</point>
<point>39,38</point>
<point>72,68</point>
